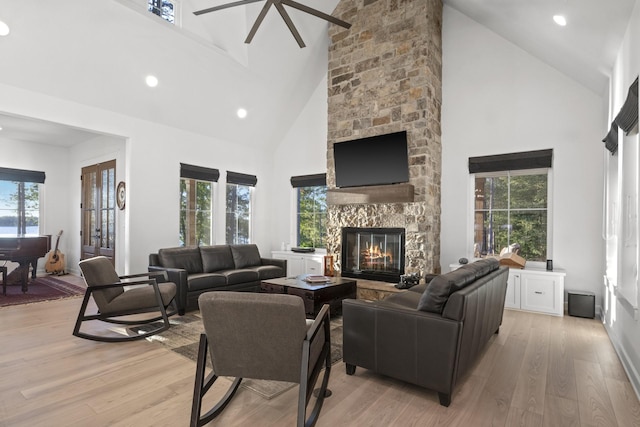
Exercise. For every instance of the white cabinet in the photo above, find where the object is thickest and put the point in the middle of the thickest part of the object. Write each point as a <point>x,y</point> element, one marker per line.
<point>533,289</point>
<point>301,263</point>
<point>539,291</point>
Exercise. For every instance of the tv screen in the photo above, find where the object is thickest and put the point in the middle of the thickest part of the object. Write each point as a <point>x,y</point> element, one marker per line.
<point>376,160</point>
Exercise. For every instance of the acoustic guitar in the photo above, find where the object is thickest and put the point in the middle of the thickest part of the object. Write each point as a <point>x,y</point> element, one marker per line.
<point>55,263</point>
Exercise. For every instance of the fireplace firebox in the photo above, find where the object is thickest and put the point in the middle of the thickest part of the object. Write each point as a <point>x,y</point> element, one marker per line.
<point>373,253</point>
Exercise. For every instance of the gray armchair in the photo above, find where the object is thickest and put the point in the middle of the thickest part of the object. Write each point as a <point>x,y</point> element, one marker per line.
<point>261,336</point>
<point>120,296</point>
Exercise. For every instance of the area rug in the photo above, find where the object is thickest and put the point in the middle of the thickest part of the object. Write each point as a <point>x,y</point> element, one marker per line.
<point>184,335</point>
<point>40,289</point>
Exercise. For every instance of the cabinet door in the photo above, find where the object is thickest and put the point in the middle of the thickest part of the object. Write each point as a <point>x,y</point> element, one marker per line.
<point>295,266</point>
<point>313,266</point>
<point>512,299</point>
<point>542,293</point>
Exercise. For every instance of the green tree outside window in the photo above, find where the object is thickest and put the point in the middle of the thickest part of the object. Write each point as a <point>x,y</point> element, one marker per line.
<point>312,216</point>
<point>509,209</point>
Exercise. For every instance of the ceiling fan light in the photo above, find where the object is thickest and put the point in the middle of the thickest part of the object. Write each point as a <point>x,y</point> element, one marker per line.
<point>560,20</point>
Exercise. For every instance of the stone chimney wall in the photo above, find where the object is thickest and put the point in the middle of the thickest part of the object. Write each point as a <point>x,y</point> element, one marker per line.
<point>385,75</point>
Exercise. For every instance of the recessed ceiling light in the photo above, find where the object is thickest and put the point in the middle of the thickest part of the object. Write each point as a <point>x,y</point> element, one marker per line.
<point>152,81</point>
<point>242,113</point>
<point>4,29</point>
<point>560,20</point>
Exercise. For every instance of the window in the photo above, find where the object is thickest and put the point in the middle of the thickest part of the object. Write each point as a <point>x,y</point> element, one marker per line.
<point>163,8</point>
<point>196,204</point>
<point>311,210</point>
<point>20,201</point>
<point>511,208</point>
<point>239,191</point>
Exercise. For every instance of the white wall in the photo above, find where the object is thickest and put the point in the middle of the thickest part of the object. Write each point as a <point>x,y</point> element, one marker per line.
<point>619,315</point>
<point>303,151</point>
<point>498,99</point>
<point>151,154</point>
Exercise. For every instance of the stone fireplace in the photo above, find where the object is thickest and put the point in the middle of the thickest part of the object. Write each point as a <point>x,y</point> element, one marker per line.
<point>385,76</point>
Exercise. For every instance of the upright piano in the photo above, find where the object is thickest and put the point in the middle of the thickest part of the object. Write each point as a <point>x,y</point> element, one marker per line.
<point>25,250</point>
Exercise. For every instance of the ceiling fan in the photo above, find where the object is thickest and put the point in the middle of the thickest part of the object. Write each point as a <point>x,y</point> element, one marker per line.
<point>279,6</point>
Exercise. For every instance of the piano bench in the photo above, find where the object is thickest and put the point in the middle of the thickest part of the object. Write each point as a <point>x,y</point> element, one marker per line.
<point>4,279</point>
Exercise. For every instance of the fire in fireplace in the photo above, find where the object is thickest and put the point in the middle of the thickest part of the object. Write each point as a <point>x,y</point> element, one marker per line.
<point>373,253</point>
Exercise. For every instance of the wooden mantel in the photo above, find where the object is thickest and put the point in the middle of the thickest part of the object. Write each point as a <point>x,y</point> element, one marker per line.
<point>395,193</point>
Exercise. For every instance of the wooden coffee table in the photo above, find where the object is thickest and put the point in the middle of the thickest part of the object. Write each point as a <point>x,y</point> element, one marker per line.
<point>314,295</point>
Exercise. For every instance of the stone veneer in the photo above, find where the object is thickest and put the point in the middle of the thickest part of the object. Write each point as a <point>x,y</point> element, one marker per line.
<point>385,75</point>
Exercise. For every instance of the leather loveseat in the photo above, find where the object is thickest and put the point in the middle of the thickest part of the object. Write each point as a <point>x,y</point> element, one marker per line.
<point>432,334</point>
<point>199,269</point>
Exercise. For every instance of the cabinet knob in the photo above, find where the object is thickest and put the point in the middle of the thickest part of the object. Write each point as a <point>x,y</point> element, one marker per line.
<point>539,292</point>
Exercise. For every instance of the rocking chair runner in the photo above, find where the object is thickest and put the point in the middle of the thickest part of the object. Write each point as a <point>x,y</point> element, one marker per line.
<point>261,336</point>
<point>114,302</point>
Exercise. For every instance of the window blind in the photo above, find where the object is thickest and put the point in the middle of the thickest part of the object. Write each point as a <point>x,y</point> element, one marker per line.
<point>20,175</point>
<point>241,179</point>
<point>627,118</point>
<point>611,140</point>
<point>512,161</point>
<point>317,180</point>
<point>198,172</point>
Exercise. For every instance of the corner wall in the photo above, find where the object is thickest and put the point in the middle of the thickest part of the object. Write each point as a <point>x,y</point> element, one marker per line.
<point>621,300</point>
<point>499,99</point>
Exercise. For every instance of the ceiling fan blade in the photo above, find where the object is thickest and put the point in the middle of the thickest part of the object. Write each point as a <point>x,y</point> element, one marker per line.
<point>289,22</point>
<point>317,13</point>
<point>224,6</point>
<point>259,20</point>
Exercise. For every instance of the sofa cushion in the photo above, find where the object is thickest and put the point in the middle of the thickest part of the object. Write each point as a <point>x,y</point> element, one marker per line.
<point>187,258</point>
<point>239,276</point>
<point>198,282</point>
<point>245,255</point>
<point>216,258</point>
<point>437,292</point>
<point>266,272</point>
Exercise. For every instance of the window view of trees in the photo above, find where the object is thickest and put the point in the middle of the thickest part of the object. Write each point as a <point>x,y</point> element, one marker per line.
<point>162,8</point>
<point>196,212</point>
<point>19,208</point>
<point>238,225</point>
<point>511,209</point>
<point>312,216</point>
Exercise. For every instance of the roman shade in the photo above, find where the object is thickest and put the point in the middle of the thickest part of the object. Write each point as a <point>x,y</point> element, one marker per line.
<point>512,161</point>
<point>627,118</point>
<point>317,180</point>
<point>198,172</point>
<point>611,140</point>
<point>241,179</point>
<point>20,175</point>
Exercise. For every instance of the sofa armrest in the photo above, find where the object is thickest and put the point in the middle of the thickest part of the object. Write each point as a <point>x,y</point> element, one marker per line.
<point>407,344</point>
<point>179,277</point>
<point>282,263</point>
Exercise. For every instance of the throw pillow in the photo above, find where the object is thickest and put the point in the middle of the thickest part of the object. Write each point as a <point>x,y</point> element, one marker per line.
<point>437,292</point>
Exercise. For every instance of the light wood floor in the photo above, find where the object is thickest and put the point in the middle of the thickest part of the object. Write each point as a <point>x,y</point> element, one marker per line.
<point>539,371</point>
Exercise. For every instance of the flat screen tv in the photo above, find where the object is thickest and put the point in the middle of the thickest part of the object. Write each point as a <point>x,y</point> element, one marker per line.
<point>376,160</point>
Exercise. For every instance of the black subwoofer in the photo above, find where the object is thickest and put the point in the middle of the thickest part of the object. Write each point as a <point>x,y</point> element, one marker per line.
<point>582,304</point>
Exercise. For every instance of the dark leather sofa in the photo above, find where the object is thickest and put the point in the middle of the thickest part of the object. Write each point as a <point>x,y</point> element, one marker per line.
<point>199,269</point>
<point>431,334</point>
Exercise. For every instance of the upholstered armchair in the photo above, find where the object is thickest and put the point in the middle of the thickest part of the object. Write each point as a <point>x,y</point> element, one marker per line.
<point>119,297</point>
<point>261,336</point>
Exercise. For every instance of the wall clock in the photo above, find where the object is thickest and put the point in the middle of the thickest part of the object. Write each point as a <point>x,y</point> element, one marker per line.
<point>121,195</point>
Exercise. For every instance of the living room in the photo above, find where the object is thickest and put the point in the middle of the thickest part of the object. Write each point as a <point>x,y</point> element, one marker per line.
<point>78,69</point>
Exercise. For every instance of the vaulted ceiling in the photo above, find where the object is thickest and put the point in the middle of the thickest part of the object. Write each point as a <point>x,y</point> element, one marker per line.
<point>97,53</point>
